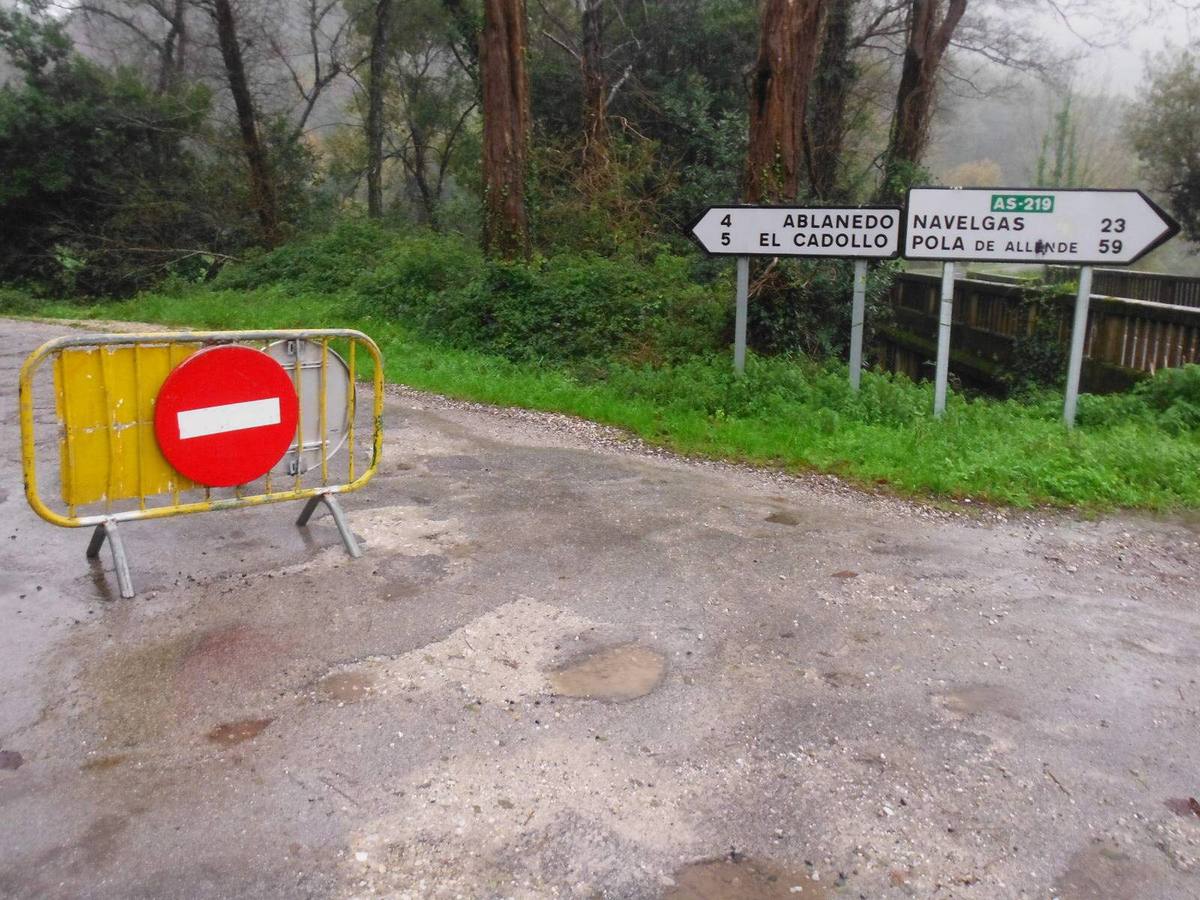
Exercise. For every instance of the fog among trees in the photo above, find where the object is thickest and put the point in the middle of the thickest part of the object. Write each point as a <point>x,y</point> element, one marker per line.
<point>602,125</point>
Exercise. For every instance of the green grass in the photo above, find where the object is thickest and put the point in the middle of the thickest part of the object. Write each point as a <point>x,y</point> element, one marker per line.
<point>790,413</point>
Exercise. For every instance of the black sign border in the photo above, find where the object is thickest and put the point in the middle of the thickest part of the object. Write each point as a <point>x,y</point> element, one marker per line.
<point>1173,226</point>
<point>901,218</point>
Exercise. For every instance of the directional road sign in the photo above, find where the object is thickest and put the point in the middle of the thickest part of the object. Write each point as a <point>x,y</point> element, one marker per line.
<point>858,231</point>
<point>1033,225</point>
<point>226,415</point>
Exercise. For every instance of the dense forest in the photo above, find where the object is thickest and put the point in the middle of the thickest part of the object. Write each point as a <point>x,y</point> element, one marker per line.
<point>142,139</point>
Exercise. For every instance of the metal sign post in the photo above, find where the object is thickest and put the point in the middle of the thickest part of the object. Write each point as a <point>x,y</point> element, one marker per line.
<point>1078,334</point>
<point>945,319</point>
<point>1030,225</point>
<point>853,232</point>
<point>739,323</point>
<point>858,313</point>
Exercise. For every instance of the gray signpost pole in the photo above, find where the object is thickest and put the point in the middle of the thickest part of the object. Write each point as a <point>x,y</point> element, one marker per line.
<point>945,317</point>
<point>858,312</point>
<point>1078,334</point>
<point>739,325</point>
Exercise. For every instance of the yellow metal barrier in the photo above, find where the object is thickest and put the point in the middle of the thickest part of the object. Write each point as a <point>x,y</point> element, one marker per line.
<point>110,468</point>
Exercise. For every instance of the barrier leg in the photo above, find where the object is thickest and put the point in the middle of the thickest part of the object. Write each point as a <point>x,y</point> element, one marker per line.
<point>309,508</point>
<point>96,542</point>
<point>120,561</point>
<point>339,519</point>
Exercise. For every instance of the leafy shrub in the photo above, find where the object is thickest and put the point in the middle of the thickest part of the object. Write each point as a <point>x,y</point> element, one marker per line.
<point>412,276</point>
<point>1174,395</point>
<point>328,262</point>
<point>803,306</point>
<point>573,307</point>
<point>1039,357</point>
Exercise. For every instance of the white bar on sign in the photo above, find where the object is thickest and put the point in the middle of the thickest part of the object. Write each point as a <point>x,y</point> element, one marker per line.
<point>228,417</point>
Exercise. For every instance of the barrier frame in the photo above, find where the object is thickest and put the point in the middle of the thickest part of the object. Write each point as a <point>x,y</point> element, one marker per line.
<point>106,523</point>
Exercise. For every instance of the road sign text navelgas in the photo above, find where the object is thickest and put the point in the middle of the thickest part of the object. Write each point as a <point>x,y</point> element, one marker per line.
<point>864,232</point>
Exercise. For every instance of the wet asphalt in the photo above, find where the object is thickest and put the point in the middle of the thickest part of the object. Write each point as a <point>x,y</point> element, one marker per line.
<point>568,668</point>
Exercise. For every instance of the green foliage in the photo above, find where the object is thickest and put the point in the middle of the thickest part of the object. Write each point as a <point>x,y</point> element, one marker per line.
<point>413,275</point>
<point>611,212</point>
<point>1063,170</point>
<point>328,262</point>
<point>801,306</point>
<point>570,307</point>
<point>1164,128</point>
<point>680,98</point>
<point>111,186</point>
<point>1173,395</point>
<point>1039,357</point>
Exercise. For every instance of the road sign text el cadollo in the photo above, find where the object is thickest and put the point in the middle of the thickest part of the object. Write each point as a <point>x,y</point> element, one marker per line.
<point>840,232</point>
<point>1033,225</point>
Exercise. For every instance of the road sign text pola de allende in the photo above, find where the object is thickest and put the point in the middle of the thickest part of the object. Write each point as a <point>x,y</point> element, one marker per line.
<point>845,232</point>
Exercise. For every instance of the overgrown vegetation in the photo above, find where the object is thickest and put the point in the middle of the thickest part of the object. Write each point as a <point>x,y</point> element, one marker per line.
<point>634,343</point>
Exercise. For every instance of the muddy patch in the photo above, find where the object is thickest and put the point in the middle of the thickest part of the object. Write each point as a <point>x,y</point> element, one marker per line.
<point>843,679</point>
<point>1189,807</point>
<point>1103,873</point>
<point>618,673</point>
<point>783,517</point>
<point>741,878</point>
<point>979,700</point>
<point>11,760</point>
<point>137,690</point>
<point>454,465</point>
<point>346,687</point>
<point>104,763</point>
<point>230,733</point>
<point>844,573</point>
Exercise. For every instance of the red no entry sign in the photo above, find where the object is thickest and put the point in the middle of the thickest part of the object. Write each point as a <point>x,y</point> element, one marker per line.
<point>226,415</point>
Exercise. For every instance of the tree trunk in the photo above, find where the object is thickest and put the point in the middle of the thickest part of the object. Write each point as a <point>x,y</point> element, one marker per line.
<point>925,45</point>
<point>171,56</point>
<point>262,190</point>
<point>376,80</point>
<point>505,128</point>
<point>789,36</point>
<point>836,74</point>
<point>595,88</point>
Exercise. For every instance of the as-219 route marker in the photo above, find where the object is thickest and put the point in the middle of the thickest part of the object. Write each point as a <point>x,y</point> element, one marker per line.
<point>856,232</point>
<point>1030,225</point>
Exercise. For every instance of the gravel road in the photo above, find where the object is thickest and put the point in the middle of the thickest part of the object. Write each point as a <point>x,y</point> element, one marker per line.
<point>569,665</point>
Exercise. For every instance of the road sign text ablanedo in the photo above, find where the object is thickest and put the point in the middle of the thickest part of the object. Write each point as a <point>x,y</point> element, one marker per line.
<point>840,232</point>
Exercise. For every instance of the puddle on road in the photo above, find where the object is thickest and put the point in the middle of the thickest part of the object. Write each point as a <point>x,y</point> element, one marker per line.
<point>783,517</point>
<point>1104,873</point>
<point>11,760</point>
<point>346,687</point>
<point>742,879</point>
<point>618,673</point>
<point>231,733</point>
<point>980,699</point>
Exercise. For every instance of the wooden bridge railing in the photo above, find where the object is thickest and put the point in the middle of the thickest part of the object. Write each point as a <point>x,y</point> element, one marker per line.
<point>1126,339</point>
<point>1156,287</point>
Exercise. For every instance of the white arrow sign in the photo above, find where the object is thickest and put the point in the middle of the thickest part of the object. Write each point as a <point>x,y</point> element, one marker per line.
<point>1035,225</point>
<point>856,231</point>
